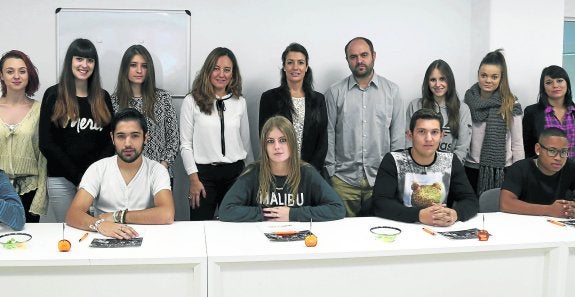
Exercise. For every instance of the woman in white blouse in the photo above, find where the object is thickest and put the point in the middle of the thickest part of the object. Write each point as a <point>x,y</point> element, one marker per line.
<point>214,132</point>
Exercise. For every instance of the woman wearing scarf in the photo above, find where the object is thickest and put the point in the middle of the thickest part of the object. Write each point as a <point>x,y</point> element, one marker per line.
<point>496,115</point>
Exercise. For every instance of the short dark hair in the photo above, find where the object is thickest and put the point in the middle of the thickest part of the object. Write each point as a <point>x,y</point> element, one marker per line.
<point>129,114</point>
<point>552,131</point>
<point>369,43</point>
<point>425,114</point>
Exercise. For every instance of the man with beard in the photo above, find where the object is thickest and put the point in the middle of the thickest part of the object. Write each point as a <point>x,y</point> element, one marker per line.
<point>366,120</point>
<point>127,188</point>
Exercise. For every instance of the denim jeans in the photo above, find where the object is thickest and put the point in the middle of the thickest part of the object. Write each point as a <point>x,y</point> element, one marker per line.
<point>61,192</point>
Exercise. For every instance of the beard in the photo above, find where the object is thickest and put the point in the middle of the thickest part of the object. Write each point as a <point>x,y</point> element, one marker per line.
<point>362,74</point>
<point>130,159</point>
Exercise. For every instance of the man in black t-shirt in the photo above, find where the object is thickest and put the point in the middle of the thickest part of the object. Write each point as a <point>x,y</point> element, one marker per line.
<point>542,186</point>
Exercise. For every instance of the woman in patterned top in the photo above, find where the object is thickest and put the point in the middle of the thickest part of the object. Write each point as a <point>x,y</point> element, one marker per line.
<point>296,100</point>
<point>20,156</point>
<point>136,88</point>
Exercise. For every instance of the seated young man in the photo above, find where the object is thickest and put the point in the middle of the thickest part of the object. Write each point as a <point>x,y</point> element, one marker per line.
<point>11,208</point>
<point>420,184</point>
<point>542,185</point>
<point>127,188</point>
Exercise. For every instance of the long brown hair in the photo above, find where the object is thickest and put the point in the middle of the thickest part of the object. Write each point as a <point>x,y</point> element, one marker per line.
<point>507,98</point>
<point>294,174</point>
<point>203,90</point>
<point>66,106</point>
<point>123,89</point>
<point>451,99</point>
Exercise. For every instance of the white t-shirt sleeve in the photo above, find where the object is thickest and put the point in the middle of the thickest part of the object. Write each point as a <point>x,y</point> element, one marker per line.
<point>92,178</point>
<point>160,178</point>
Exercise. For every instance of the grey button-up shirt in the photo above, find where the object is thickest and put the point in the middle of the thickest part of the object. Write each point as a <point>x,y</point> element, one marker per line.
<point>363,125</point>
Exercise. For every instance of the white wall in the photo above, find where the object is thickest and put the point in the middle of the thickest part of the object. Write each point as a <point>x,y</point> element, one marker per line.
<point>570,9</point>
<point>532,36</point>
<point>407,35</point>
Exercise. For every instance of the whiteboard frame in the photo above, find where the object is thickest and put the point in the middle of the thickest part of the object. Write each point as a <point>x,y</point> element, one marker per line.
<point>179,92</point>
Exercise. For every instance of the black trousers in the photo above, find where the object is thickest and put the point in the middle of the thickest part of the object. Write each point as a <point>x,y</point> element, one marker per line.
<point>217,180</point>
<point>27,201</point>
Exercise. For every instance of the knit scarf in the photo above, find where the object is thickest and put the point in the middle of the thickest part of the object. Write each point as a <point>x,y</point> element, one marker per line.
<point>493,150</point>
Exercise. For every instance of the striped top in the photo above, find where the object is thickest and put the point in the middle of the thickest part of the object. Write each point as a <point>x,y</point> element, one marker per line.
<point>11,209</point>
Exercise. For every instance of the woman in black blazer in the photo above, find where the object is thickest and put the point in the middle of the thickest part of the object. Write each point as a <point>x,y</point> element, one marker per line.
<point>556,104</point>
<point>296,100</point>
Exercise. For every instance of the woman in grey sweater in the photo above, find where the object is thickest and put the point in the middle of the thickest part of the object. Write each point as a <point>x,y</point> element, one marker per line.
<point>438,93</point>
<point>280,187</point>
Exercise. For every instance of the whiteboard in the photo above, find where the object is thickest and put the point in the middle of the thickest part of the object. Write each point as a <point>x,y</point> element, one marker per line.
<point>165,33</point>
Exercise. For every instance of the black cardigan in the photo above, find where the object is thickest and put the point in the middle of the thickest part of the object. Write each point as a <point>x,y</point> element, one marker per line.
<point>533,125</point>
<point>314,138</point>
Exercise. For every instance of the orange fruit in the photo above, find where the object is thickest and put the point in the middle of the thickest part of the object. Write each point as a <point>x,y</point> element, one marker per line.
<point>311,240</point>
<point>64,245</point>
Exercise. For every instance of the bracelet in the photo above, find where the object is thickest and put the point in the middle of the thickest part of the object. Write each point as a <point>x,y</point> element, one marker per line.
<point>116,216</point>
<point>123,219</point>
<point>95,226</point>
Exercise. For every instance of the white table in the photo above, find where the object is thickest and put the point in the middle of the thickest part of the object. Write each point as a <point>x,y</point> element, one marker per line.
<point>171,259</point>
<point>526,256</point>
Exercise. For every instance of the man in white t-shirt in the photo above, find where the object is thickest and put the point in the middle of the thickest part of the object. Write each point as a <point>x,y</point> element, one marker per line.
<point>127,188</point>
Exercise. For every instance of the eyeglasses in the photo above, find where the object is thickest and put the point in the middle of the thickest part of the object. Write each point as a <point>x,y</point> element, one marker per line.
<point>552,152</point>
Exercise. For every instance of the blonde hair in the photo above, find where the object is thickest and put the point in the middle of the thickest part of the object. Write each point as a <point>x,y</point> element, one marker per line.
<point>266,178</point>
<point>507,98</point>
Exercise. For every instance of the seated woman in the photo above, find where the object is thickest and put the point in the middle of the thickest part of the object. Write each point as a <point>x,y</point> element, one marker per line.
<point>280,187</point>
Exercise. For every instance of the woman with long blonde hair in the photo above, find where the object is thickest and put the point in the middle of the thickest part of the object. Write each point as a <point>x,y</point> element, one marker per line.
<point>280,187</point>
<point>497,128</point>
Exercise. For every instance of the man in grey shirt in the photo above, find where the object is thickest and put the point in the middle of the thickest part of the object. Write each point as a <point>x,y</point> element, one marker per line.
<point>366,120</point>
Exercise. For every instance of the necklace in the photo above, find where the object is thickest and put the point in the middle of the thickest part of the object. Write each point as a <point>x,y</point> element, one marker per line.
<point>282,187</point>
